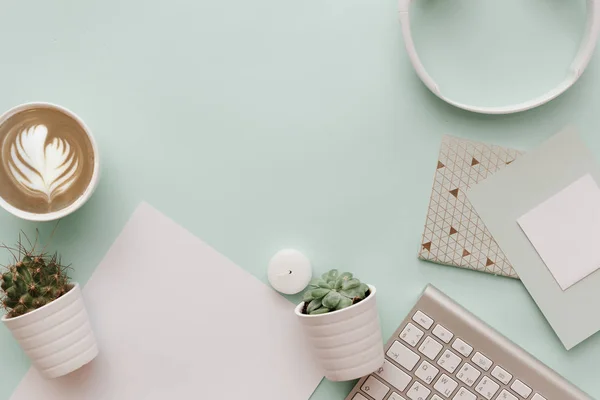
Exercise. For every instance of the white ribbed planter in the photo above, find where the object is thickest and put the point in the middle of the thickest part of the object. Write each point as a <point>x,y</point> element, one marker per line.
<point>57,337</point>
<point>347,343</point>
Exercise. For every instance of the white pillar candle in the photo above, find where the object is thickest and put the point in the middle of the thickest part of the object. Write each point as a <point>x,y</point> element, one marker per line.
<point>289,271</point>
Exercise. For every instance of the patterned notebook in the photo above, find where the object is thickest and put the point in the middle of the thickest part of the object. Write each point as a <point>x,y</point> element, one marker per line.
<point>454,234</point>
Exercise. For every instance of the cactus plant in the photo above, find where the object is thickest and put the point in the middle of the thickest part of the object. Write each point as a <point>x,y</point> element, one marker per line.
<point>332,292</point>
<point>33,280</point>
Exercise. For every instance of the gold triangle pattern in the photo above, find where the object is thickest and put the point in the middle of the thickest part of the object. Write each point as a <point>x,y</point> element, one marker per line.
<point>452,225</point>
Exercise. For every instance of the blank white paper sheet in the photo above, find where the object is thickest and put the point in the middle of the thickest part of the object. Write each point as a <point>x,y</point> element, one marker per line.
<point>177,320</point>
<point>565,231</point>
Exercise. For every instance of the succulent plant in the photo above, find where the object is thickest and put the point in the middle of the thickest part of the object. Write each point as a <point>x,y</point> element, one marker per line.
<point>333,291</point>
<point>33,280</point>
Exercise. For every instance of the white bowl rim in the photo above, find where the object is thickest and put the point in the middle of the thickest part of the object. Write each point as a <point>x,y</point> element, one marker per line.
<point>81,200</point>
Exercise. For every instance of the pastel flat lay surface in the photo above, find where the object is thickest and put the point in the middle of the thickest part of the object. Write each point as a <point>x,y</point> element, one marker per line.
<point>280,124</point>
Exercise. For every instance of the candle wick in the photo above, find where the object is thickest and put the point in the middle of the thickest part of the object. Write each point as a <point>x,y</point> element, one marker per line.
<point>285,273</point>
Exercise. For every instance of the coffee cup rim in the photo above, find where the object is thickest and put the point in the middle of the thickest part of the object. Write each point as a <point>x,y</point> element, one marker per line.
<point>81,200</point>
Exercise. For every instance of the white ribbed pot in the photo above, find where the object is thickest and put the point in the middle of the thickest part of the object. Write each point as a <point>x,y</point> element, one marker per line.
<point>346,343</point>
<point>57,337</point>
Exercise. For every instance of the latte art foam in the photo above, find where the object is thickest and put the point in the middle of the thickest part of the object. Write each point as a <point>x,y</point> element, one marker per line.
<point>47,160</point>
<point>46,169</point>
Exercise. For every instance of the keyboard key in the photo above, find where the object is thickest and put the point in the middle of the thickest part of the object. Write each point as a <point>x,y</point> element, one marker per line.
<point>468,374</point>
<point>430,347</point>
<point>411,334</point>
<point>445,385</point>
<point>487,387</point>
<point>537,397</point>
<point>504,395</point>
<point>521,389</point>
<point>436,397</point>
<point>422,319</point>
<point>449,361</point>
<point>374,388</point>
<point>403,355</point>
<point>462,347</point>
<point>393,375</point>
<point>442,333</point>
<point>501,375</point>
<point>482,361</point>
<point>359,396</point>
<point>395,396</point>
<point>426,372</point>
<point>464,394</point>
<point>418,392</point>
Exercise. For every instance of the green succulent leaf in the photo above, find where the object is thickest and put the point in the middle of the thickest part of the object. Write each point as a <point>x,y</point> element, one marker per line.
<point>345,276</point>
<point>20,285</point>
<point>321,310</point>
<point>19,309</point>
<point>308,297</point>
<point>344,302</point>
<point>313,294</point>
<point>24,271</point>
<point>39,302</point>
<point>338,284</point>
<point>12,293</point>
<point>331,300</point>
<point>45,291</point>
<point>364,288</point>
<point>7,277</point>
<point>52,268</point>
<point>9,303</point>
<point>55,293</point>
<point>342,279</point>
<point>5,285</point>
<point>331,275</point>
<point>314,283</point>
<point>324,285</point>
<point>320,293</point>
<point>313,305</point>
<point>26,300</point>
<point>350,284</point>
<point>351,293</point>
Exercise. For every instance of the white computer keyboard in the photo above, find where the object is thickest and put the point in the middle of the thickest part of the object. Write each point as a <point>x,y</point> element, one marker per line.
<point>443,352</point>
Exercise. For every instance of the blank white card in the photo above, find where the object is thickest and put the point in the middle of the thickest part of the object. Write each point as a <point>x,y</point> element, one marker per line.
<point>565,231</point>
<point>175,319</point>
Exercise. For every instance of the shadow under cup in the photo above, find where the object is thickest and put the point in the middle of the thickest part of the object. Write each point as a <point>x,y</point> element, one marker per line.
<point>49,163</point>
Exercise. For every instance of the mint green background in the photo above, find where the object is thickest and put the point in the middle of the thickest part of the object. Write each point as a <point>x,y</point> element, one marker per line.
<point>272,123</point>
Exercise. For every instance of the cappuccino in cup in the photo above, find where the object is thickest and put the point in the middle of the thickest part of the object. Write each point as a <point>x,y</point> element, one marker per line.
<point>49,164</point>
